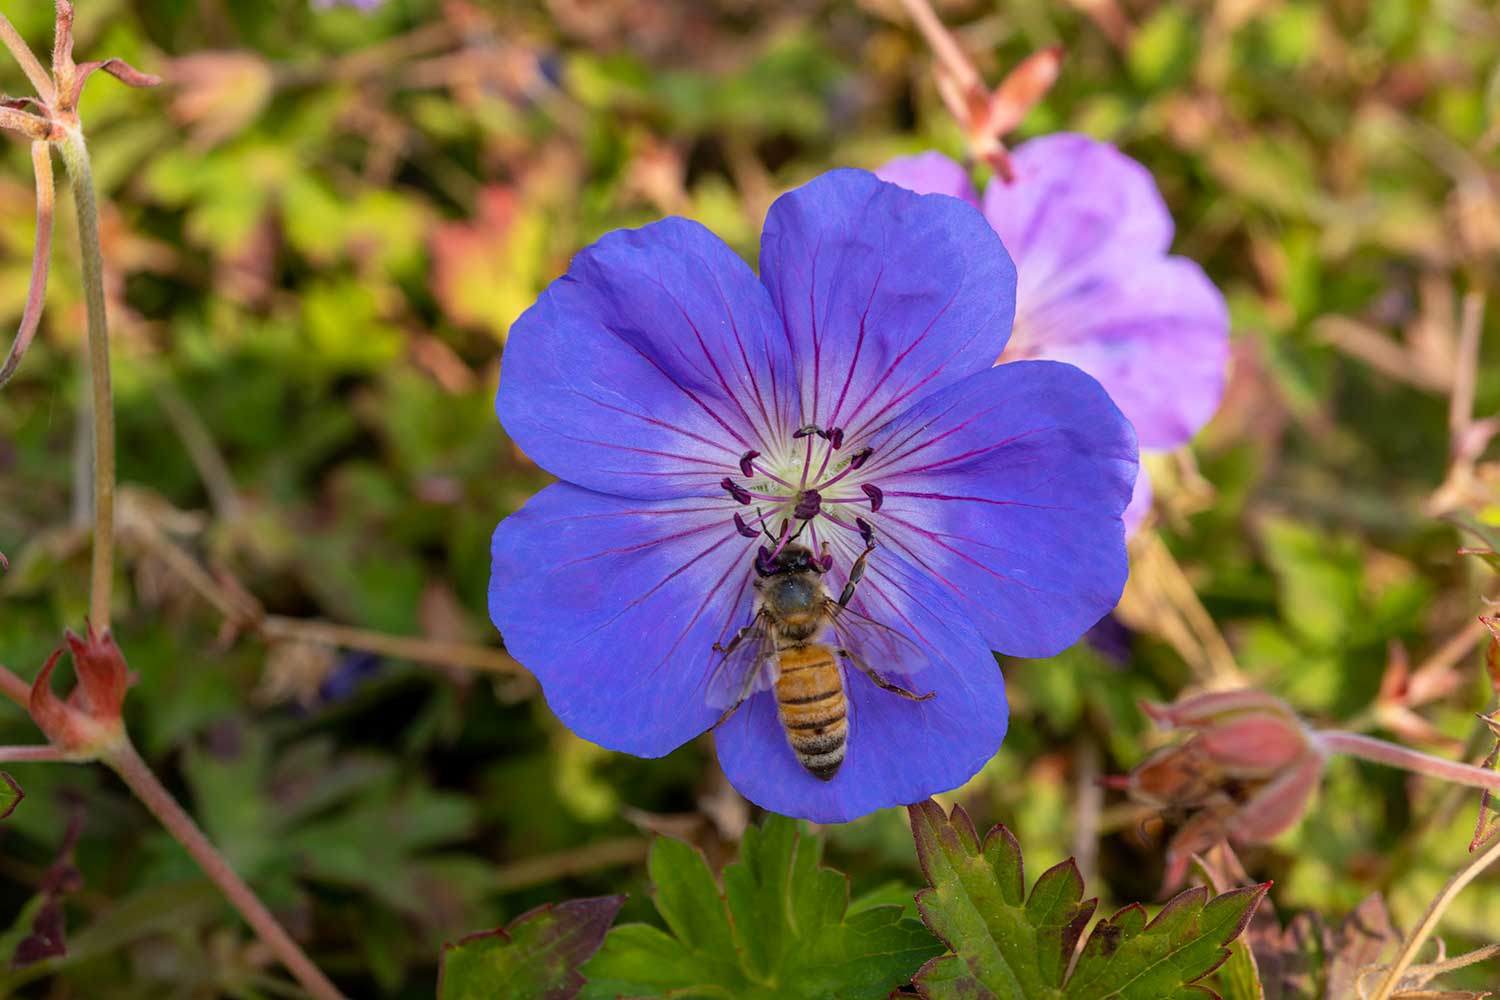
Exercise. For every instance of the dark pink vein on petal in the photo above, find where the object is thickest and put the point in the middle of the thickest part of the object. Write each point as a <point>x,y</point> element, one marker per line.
<point>708,356</point>
<point>772,424</point>
<point>680,387</point>
<point>859,346</point>
<point>655,423</point>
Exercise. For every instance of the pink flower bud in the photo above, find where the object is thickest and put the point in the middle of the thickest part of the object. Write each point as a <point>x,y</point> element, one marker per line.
<point>1246,772</point>
<point>90,716</point>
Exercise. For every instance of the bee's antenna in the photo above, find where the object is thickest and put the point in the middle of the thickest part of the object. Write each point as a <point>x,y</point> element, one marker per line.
<point>800,529</point>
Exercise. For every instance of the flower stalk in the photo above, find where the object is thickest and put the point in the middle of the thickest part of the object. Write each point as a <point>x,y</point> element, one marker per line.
<point>126,762</point>
<point>1393,755</point>
<point>101,576</point>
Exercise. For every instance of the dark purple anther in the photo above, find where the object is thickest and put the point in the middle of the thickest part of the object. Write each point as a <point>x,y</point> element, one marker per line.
<point>876,495</point>
<point>743,528</point>
<point>836,438</point>
<point>808,505</point>
<point>865,531</point>
<point>807,431</point>
<point>764,564</point>
<point>860,458</point>
<point>825,561</point>
<point>745,460</point>
<point>735,490</point>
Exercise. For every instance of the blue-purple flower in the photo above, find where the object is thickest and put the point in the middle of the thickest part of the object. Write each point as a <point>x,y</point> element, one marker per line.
<point>848,391</point>
<point>1089,233</point>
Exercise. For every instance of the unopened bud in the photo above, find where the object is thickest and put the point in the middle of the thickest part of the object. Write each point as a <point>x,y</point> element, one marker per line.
<point>89,718</point>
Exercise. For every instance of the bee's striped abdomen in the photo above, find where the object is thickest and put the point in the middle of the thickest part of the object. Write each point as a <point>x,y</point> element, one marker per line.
<point>814,712</point>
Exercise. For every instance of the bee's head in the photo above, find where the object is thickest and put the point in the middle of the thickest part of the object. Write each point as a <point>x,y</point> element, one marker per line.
<point>788,560</point>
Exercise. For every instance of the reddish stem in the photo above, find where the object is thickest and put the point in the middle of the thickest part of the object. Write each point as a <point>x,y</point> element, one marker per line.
<point>1380,752</point>
<point>41,256</point>
<point>134,771</point>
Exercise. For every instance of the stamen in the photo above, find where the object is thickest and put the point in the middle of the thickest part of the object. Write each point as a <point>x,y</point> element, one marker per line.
<point>747,460</point>
<point>734,489</point>
<point>876,495</point>
<point>807,430</point>
<point>865,531</point>
<point>765,564</point>
<point>743,528</point>
<point>808,505</point>
<point>784,536</point>
<point>859,459</point>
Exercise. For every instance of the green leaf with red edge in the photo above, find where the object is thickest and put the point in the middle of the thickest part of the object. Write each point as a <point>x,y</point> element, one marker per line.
<point>1008,945</point>
<point>10,795</point>
<point>534,957</point>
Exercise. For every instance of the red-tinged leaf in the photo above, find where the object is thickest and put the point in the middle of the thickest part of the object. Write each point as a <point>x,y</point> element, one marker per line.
<point>534,957</point>
<point>10,795</point>
<point>1005,948</point>
<point>1128,958</point>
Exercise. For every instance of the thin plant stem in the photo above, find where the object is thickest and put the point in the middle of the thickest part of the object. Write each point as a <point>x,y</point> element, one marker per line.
<point>1380,752</point>
<point>15,688</point>
<point>1424,929</point>
<point>134,771</point>
<point>422,650</point>
<point>32,753</point>
<point>1466,368</point>
<point>564,864</point>
<point>41,258</point>
<point>30,64</point>
<point>247,614</point>
<point>101,578</point>
<point>944,46</point>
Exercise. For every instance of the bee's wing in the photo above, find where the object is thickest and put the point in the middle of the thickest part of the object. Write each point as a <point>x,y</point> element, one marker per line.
<point>749,668</point>
<point>877,646</point>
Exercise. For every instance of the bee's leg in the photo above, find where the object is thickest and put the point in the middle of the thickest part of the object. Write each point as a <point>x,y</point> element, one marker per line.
<point>880,681</point>
<point>739,637</point>
<point>745,690</point>
<point>857,572</point>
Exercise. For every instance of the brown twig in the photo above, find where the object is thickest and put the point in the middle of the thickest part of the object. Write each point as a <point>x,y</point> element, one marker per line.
<point>1428,924</point>
<point>548,867</point>
<point>246,614</point>
<point>422,650</point>
<point>41,258</point>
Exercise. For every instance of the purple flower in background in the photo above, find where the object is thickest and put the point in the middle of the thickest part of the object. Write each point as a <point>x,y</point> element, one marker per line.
<point>364,5</point>
<point>702,418</point>
<point>1089,233</point>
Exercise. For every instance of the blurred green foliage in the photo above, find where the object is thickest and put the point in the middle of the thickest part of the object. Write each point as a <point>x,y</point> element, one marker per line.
<point>318,232</point>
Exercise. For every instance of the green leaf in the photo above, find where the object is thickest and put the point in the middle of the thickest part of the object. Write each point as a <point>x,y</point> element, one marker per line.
<point>537,955</point>
<point>780,927</point>
<point>10,795</point>
<point>1007,945</point>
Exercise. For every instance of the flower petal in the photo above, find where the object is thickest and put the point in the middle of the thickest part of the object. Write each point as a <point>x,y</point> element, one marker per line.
<point>1154,331</point>
<point>1073,197</point>
<point>615,605</point>
<point>1008,490</point>
<point>650,367</point>
<point>1140,502</point>
<point>930,173</point>
<point>885,295</point>
<point>899,751</point>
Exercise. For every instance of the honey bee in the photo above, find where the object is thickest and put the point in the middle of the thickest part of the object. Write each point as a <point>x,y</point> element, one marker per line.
<point>795,644</point>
